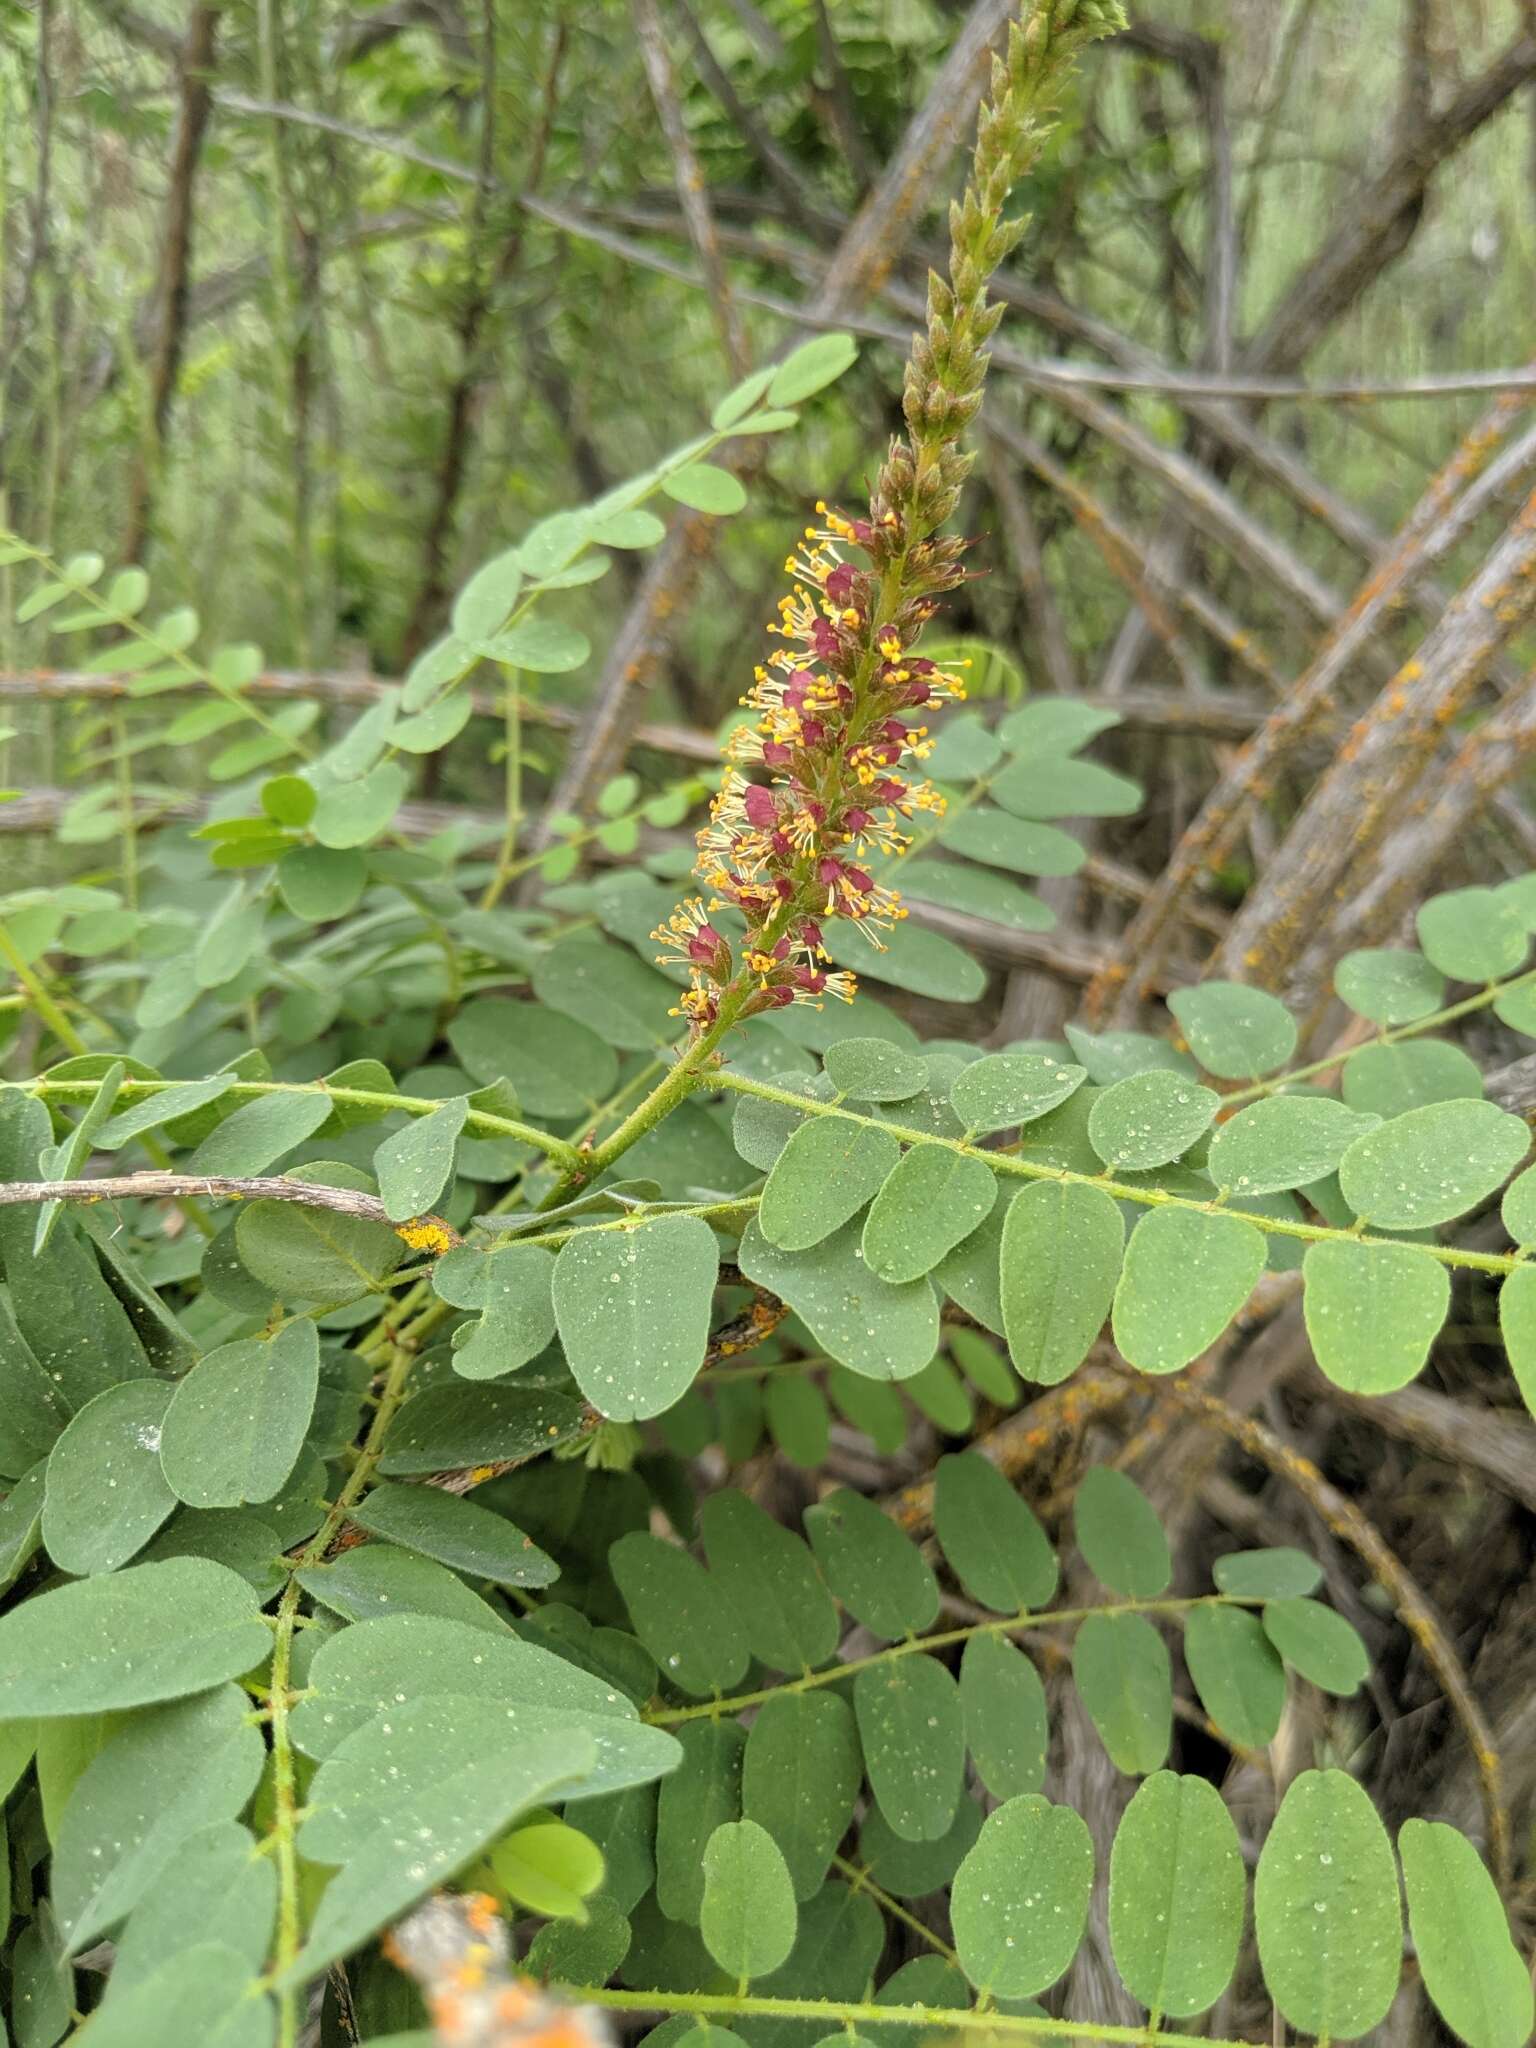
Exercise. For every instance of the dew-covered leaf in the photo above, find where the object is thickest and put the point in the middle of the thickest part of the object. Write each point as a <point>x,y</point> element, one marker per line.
<point>680,1614</point>
<point>106,1494</point>
<point>1149,1119</point>
<point>163,1774</point>
<point>873,1070</point>
<point>1326,1909</point>
<point>1004,1089</point>
<point>1318,1643</point>
<point>1020,1900</point>
<point>1389,985</point>
<point>1473,934</point>
<point>1286,1141</point>
<point>913,1737</point>
<point>703,1792</point>
<point>877,1572</point>
<point>770,1581</point>
<point>1235,1032</point>
<point>1385,1080</point>
<point>415,1164</point>
<point>128,1638</point>
<point>633,1309</point>
<point>800,1778</point>
<point>883,1331</point>
<point>1176,1893</point>
<point>1373,1311</point>
<point>558,1066</point>
<point>1187,1273</point>
<point>747,1916</point>
<point>1472,1970</point>
<point>1432,1164</point>
<point>237,1423</point>
<point>1062,1247</point>
<point>456,1532</point>
<point>826,1173</point>
<point>930,1202</point>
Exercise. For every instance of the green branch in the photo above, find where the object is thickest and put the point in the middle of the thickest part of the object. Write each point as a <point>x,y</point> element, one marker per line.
<point>1013,1168</point>
<point>941,1639</point>
<point>853,2013</point>
<point>479,1123</point>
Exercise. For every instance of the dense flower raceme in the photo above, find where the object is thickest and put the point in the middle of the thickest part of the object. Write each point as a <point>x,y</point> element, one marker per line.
<point>834,733</point>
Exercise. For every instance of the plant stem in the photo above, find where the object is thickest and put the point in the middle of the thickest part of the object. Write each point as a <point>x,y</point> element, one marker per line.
<point>280,1695</point>
<point>1002,1625</point>
<point>512,729</point>
<point>1011,1167</point>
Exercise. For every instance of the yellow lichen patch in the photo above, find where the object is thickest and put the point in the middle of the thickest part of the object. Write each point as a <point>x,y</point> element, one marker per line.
<point>426,1234</point>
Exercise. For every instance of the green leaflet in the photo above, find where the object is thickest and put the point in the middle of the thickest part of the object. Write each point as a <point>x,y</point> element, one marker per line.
<point>1149,1119</point>
<point>201,1997</point>
<point>252,1138</point>
<point>876,1571</point>
<point>1517,1326</point>
<point>1278,1574</point>
<point>915,1870</point>
<point>1473,934</point>
<point>548,1867</point>
<point>991,1536</point>
<point>873,1070</point>
<point>558,1067</point>
<point>1236,1033</point>
<point>1020,1899</point>
<point>1390,985</point>
<point>826,1173</point>
<point>165,1773</point>
<point>606,989</point>
<point>633,1309</point>
<point>1318,1643</point>
<point>416,1163</point>
<point>301,1254</point>
<point>747,1916</point>
<point>1186,1275</point>
<point>702,1793</point>
<point>1176,1893</point>
<point>150,1632</point>
<point>237,1423</point>
<point>1007,1088</point>
<point>913,1737</point>
<point>800,1778</point>
<point>1286,1141</point>
<point>106,1494</point>
<point>1373,1312</point>
<point>1120,1665</point>
<point>434,1824</point>
<point>680,1614</point>
<point>1326,1909</point>
<point>1237,1673</point>
<point>1003,1704</point>
<point>1386,1080</point>
<point>770,1582</point>
<point>931,1201</point>
<point>882,1331</point>
<point>1062,1247</point>
<point>1118,1532</point>
<point>215,1889</point>
<point>1471,1968</point>
<point>380,1578</point>
<point>1431,1164</point>
<point>455,1532</point>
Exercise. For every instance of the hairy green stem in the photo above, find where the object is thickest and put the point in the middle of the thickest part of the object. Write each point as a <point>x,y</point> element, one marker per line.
<point>1014,1168</point>
<point>853,2013</point>
<point>941,1639</point>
